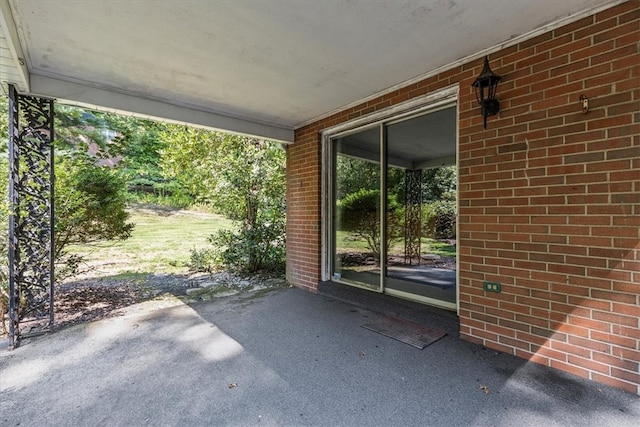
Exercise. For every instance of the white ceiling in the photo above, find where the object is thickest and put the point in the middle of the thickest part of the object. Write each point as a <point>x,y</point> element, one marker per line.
<point>256,67</point>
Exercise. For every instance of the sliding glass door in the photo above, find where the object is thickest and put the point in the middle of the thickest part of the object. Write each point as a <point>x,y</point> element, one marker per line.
<point>394,207</point>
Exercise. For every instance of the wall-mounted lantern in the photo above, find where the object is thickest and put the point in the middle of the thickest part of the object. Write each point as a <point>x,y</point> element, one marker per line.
<point>486,85</point>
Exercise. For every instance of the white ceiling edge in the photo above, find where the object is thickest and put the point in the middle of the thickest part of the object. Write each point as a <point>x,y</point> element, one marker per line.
<point>507,43</point>
<point>9,36</point>
<point>85,96</point>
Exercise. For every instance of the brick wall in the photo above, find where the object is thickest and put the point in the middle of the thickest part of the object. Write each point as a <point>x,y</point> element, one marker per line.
<point>304,168</point>
<point>549,198</point>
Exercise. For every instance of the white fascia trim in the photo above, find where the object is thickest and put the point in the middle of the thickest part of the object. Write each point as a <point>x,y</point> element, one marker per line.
<point>10,33</point>
<point>507,43</point>
<point>86,96</point>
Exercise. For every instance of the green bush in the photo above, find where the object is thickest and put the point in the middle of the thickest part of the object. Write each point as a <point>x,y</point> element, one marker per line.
<point>359,213</point>
<point>439,219</point>
<point>358,210</point>
<point>205,260</point>
<point>257,249</point>
<point>4,236</point>
<point>90,203</point>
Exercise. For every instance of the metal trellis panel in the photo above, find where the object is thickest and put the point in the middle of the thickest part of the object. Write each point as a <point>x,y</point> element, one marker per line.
<point>31,186</point>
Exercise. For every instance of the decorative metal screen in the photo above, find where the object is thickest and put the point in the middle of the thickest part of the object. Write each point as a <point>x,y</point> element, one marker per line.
<point>31,217</point>
<point>413,216</point>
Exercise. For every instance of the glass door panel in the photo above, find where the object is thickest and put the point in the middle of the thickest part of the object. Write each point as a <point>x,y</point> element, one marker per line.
<point>357,209</point>
<point>394,208</point>
<point>421,201</point>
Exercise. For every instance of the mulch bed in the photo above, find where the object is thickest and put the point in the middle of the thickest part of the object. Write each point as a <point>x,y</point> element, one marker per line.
<point>86,303</point>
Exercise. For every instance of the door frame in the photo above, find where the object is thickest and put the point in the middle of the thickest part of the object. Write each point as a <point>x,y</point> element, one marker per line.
<point>425,104</point>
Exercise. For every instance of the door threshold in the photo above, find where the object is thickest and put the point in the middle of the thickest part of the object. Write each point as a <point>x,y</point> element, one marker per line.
<point>394,306</point>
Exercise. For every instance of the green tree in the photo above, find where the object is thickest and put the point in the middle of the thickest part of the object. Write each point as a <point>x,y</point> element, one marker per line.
<point>439,183</point>
<point>139,145</point>
<point>89,199</point>
<point>354,174</point>
<point>241,178</point>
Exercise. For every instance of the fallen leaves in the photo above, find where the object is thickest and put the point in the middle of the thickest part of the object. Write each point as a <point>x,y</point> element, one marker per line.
<point>484,388</point>
<point>82,302</point>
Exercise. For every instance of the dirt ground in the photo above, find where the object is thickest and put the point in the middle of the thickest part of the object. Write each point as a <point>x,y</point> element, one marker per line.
<point>93,297</point>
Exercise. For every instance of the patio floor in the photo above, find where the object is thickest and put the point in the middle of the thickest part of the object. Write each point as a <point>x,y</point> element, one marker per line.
<point>285,357</point>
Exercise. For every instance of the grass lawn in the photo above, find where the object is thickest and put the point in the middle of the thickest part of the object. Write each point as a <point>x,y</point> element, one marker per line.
<point>160,243</point>
<point>348,242</point>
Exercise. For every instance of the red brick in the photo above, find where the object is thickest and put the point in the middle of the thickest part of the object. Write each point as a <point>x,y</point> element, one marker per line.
<point>614,339</point>
<point>572,369</point>
<point>614,296</point>
<point>588,364</point>
<point>614,382</point>
<point>618,362</point>
<point>617,319</point>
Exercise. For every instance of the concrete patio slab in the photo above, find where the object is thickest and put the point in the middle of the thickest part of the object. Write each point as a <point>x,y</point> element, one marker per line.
<point>285,357</point>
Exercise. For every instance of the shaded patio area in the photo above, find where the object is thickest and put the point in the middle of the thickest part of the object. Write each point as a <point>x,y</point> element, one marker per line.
<point>284,357</point>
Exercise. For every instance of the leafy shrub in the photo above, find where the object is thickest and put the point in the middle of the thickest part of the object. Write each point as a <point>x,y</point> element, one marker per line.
<point>90,206</point>
<point>358,208</point>
<point>359,213</point>
<point>241,178</point>
<point>205,260</point>
<point>261,248</point>
<point>439,219</point>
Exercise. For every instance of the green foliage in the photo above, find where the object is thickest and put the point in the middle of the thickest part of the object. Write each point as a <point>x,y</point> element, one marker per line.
<point>88,199</point>
<point>352,174</point>
<point>161,192</point>
<point>138,142</point>
<point>359,207</point>
<point>439,219</point>
<point>90,205</point>
<point>206,260</point>
<point>358,212</point>
<point>139,145</point>
<point>4,202</point>
<point>4,123</point>
<point>358,201</point>
<point>241,178</point>
<point>439,184</point>
<point>251,250</point>
<point>173,200</point>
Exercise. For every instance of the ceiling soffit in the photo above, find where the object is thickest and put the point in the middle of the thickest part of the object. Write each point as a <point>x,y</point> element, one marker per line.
<point>262,68</point>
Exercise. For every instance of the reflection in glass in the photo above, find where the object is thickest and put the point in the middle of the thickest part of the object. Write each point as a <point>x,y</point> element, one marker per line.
<point>414,242</point>
<point>357,209</point>
<point>421,201</point>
